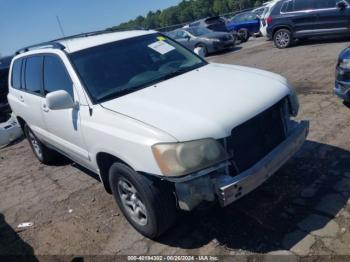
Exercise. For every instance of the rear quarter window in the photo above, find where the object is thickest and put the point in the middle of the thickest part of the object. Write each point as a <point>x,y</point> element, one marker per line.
<point>16,74</point>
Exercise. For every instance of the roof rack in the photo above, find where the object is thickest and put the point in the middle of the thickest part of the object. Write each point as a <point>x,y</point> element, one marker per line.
<point>55,44</point>
<point>99,32</point>
<point>41,45</point>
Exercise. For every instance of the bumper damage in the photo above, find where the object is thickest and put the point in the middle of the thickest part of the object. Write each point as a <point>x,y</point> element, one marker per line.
<point>216,183</point>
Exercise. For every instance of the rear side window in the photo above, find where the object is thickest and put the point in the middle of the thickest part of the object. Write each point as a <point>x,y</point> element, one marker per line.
<point>16,74</point>
<point>287,7</point>
<point>33,74</point>
<point>55,76</point>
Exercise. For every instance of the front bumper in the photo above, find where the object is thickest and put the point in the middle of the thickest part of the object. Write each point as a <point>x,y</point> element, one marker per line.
<point>223,45</point>
<point>220,185</point>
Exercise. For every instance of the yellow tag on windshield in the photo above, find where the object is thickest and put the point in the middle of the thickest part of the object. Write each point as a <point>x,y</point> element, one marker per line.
<point>161,38</point>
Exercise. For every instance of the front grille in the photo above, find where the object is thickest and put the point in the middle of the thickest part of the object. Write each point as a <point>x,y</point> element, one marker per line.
<point>254,139</point>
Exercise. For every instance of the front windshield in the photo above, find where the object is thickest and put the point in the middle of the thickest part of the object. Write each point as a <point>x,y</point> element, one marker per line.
<point>115,69</point>
<point>198,31</point>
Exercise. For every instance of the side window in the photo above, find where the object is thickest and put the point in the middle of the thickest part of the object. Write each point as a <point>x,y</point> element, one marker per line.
<point>326,4</point>
<point>182,34</point>
<point>33,70</point>
<point>302,5</point>
<point>55,76</point>
<point>16,74</point>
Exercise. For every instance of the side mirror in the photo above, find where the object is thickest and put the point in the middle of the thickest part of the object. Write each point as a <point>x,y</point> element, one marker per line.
<point>59,100</point>
<point>342,5</point>
<point>188,37</point>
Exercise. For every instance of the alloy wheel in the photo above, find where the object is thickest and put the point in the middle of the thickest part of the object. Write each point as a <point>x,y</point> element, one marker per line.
<point>132,202</point>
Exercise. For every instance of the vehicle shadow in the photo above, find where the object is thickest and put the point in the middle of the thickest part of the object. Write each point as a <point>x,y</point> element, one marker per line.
<point>322,40</point>
<point>12,247</point>
<point>280,213</point>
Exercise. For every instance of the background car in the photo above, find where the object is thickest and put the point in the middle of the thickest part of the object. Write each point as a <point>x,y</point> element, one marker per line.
<point>263,22</point>
<point>4,71</point>
<point>201,37</point>
<point>215,23</point>
<point>342,76</point>
<point>300,19</point>
<point>246,24</point>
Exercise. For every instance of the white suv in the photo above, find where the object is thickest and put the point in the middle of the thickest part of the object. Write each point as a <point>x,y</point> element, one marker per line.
<point>163,129</point>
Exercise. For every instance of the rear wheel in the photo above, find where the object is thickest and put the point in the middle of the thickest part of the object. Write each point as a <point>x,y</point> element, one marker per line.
<point>148,204</point>
<point>44,154</point>
<point>282,38</point>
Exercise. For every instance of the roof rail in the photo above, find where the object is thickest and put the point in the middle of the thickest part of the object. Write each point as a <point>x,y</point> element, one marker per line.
<point>41,45</point>
<point>99,32</point>
<point>55,44</point>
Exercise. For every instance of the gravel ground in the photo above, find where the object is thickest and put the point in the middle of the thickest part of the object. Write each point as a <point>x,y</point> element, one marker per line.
<point>303,210</point>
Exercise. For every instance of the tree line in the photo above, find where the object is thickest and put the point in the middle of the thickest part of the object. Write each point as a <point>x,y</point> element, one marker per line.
<point>187,11</point>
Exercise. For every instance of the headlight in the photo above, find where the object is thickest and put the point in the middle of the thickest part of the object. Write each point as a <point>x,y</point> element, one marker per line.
<point>178,159</point>
<point>344,63</point>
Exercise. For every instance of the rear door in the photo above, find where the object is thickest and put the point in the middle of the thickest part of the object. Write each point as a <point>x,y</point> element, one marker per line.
<point>29,95</point>
<point>303,17</point>
<point>331,19</point>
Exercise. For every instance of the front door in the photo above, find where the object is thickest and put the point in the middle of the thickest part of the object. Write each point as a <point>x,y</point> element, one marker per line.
<point>332,19</point>
<point>304,17</point>
<point>63,125</point>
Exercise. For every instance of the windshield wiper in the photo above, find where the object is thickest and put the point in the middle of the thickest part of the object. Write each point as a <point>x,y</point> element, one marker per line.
<point>179,72</point>
<point>119,93</point>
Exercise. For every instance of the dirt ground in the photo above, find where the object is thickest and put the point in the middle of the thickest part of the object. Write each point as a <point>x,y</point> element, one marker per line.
<point>303,210</point>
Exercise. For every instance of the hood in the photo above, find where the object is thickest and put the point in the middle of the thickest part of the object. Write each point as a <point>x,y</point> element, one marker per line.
<point>203,103</point>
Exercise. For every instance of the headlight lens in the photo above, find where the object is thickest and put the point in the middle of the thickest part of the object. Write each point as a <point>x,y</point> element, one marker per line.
<point>344,64</point>
<point>178,159</point>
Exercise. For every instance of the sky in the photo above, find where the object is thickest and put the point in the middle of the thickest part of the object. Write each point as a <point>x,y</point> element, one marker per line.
<point>26,22</point>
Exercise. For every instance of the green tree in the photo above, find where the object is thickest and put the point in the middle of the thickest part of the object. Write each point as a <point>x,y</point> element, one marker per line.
<point>186,11</point>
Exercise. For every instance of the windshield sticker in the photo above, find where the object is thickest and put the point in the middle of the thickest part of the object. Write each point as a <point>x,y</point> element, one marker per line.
<point>161,47</point>
<point>161,38</point>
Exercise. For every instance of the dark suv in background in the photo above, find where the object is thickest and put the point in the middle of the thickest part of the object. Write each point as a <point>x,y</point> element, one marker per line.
<point>299,19</point>
<point>4,71</point>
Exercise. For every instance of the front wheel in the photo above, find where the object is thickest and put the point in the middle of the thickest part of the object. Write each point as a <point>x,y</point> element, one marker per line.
<point>243,35</point>
<point>148,204</point>
<point>282,38</point>
<point>202,49</point>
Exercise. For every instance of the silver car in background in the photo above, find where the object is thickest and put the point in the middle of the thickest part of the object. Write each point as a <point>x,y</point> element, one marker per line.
<point>202,38</point>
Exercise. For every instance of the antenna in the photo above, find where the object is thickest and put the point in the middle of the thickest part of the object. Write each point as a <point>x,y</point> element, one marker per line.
<point>62,32</point>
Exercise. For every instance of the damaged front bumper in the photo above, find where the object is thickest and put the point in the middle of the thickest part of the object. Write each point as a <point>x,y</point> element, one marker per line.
<point>216,182</point>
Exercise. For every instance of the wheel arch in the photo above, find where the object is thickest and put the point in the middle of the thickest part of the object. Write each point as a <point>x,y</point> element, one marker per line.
<point>104,162</point>
<point>281,27</point>
<point>21,122</point>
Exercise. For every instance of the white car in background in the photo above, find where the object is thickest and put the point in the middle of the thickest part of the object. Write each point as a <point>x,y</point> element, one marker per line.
<point>163,128</point>
<point>263,23</point>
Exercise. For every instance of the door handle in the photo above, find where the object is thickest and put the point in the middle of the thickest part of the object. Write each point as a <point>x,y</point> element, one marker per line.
<point>45,108</point>
<point>21,98</point>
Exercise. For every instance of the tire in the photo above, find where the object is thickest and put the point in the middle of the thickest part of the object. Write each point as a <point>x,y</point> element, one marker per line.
<point>204,48</point>
<point>44,154</point>
<point>243,35</point>
<point>282,38</point>
<point>152,198</point>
